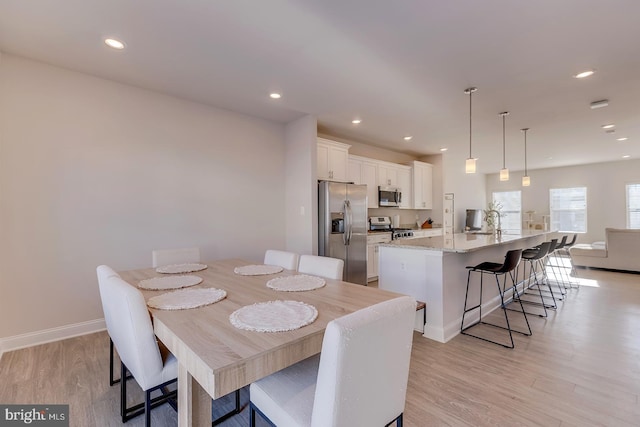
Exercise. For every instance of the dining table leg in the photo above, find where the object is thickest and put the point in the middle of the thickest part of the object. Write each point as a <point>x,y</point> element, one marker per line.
<point>194,403</point>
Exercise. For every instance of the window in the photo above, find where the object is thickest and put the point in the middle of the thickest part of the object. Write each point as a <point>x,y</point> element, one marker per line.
<point>633,205</point>
<point>511,209</point>
<point>568,209</point>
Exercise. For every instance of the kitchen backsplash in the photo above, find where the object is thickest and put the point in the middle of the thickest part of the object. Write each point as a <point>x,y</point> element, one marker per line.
<point>409,217</point>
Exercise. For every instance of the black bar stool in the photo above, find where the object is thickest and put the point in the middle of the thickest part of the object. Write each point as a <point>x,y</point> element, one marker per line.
<point>534,258</point>
<point>565,252</point>
<point>546,263</point>
<point>558,269</point>
<point>511,261</point>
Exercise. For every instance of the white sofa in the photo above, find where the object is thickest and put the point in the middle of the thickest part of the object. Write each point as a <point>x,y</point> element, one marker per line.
<point>619,251</point>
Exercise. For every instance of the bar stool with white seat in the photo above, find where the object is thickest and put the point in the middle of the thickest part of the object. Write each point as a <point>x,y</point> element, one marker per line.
<point>511,261</point>
<point>359,379</point>
<point>286,260</point>
<point>323,266</point>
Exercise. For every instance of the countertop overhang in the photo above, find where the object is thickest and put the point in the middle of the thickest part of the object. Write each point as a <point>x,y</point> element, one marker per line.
<point>463,242</point>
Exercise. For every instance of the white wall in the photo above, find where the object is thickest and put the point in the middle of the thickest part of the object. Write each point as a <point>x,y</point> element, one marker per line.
<point>606,194</point>
<point>95,172</point>
<point>469,189</point>
<point>301,141</point>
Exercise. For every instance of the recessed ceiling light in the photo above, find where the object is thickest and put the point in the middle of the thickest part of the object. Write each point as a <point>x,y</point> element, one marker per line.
<point>116,44</point>
<point>626,156</point>
<point>356,121</point>
<point>443,149</point>
<point>608,126</point>
<point>408,138</point>
<point>584,74</point>
<point>624,138</point>
<point>275,95</point>
<point>599,104</point>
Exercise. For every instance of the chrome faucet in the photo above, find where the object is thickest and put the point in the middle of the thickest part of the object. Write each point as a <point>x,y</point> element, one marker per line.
<point>499,229</point>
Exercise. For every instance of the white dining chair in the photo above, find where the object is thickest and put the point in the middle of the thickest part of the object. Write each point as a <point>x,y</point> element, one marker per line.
<point>129,326</point>
<point>150,364</point>
<point>286,260</point>
<point>331,268</point>
<point>103,272</point>
<point>162,257</point>
<point>359,378</point>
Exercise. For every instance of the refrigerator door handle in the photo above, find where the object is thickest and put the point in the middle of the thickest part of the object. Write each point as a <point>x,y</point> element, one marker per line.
<point>348,227</point>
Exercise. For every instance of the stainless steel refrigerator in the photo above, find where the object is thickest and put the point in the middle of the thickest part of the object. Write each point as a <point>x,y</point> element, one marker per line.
<point>342,228</point>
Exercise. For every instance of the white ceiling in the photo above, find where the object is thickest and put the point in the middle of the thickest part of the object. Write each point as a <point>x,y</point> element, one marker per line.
<point>401,66</point>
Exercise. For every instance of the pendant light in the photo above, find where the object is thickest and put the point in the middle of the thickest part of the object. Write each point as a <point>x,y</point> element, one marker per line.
<point>470,165</point>
<point>526,181</point>
<point>504,172</point>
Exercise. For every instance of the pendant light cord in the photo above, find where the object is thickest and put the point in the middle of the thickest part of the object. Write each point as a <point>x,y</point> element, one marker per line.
<point>525,150</point>
<point>470,93</point>
<point>504,151</point>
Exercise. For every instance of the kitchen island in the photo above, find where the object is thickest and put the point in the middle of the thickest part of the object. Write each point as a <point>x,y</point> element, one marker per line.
<point>433,269</point>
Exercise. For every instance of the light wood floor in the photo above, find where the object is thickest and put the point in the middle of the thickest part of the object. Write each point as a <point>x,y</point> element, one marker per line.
<point>580,368</point>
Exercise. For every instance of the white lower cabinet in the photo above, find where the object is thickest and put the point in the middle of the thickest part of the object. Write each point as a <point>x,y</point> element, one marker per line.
<point>373,246</point>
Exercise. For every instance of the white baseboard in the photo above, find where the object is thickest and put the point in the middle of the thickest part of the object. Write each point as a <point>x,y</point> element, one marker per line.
<point>30,339</point>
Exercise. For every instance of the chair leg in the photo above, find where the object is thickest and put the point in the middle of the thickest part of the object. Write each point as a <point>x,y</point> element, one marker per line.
<point>397,421</point>
<point>123,393</point>
<point>147,408</point>
<point>230,413</point>
<point>466,310</point>
<point>111,360</point>
<point>148,404</point>
<point>504,310</point>
<point>252,415</point>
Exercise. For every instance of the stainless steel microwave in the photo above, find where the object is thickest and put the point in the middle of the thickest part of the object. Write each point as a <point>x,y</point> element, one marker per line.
<point>389,196</point>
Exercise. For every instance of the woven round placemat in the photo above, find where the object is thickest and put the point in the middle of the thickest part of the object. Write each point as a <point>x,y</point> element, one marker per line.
<point>297,283</point>
<point>274,316</point>
<point>186,298</point>
<point>180,268</point>
<point>169,282</point>
<point>257,270</point>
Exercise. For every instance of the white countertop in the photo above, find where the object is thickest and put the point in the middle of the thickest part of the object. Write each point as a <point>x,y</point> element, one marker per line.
<point>463,242</point>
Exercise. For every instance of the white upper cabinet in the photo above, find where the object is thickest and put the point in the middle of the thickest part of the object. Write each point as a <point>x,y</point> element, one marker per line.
<point>404,182</point>
<point>332,160</point>
<point>422,185</point>
<point>395,175</point>
<point>387,175</point>
<point>365,171</point>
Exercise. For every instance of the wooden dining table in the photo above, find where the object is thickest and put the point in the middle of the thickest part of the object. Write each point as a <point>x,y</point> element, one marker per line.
<point>215,358</point>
